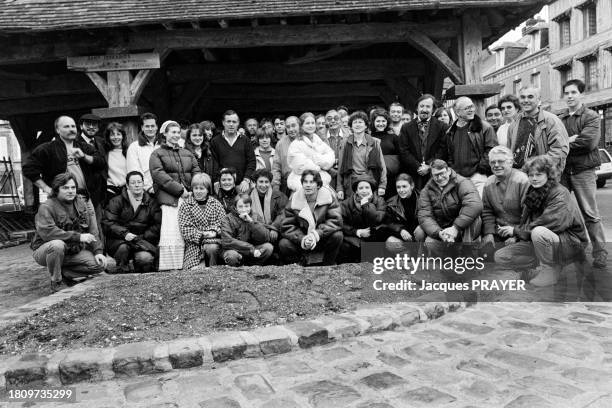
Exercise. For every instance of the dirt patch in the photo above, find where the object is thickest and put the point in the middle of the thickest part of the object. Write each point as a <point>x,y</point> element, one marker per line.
<point>164,306</point>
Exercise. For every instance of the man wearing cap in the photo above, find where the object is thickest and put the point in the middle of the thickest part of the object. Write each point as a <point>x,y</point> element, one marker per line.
<point>90,130</point>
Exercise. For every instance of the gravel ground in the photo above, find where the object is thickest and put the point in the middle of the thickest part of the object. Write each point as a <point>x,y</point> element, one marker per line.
<point>164,306</point>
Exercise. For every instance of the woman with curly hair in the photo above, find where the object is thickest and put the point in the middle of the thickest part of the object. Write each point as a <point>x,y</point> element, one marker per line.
<point>551,233</point>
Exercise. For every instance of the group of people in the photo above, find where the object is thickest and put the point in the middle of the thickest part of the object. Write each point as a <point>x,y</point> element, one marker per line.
<point>314,189</point>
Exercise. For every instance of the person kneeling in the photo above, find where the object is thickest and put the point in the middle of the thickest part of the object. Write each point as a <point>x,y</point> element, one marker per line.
<point>551,220</point>
<point>449,208</point>
<point>244,241</point>
<point>312,227</point>
<point>200,219</point>
<point>132,221</point>
<point>66,239</point>
<point>362,216</point>
<point>401,219</point>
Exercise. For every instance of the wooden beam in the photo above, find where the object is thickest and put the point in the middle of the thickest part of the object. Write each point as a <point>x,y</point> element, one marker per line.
<point>479,91</point>
<point>425,45</point>
<point>280,91</point>
<point>332,71</point>
<point>53,48</point>
<point>100,83</point>
<point>60,103</point>
<point>315,55</point>
<point>240,37</point>
<point>114,62</point>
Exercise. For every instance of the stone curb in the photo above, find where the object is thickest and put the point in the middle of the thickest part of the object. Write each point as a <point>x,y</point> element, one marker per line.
<point>133,359</point>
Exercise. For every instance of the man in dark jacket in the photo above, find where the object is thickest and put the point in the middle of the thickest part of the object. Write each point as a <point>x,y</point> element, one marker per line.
<point>422,141</point>
<point>230,149</point>
<point>449,206</point>
<point>312,227</point>
<point>469,141</point>
<point>66,239</point>
<point>132,221</point>
<point>582,125</point>
<point>65,154</point>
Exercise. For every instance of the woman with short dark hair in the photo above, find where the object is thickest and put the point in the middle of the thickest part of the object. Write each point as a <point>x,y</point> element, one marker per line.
<point>380,129</point>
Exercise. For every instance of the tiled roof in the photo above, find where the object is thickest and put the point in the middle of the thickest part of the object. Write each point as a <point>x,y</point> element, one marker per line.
<point>45,15</point>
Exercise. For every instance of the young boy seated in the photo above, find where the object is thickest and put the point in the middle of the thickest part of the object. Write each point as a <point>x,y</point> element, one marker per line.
<point>244,241</point>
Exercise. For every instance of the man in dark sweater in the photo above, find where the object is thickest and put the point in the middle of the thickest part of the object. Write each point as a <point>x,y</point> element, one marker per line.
<point>469,141</point>
<point>230,149</point>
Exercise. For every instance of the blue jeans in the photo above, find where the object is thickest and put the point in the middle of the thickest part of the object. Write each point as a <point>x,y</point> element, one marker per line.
<point>583,184</point>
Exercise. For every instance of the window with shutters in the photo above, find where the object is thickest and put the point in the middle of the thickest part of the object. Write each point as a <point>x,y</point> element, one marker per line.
<point>590,74</point>
<point>564,32</point>
<point>535,80</point>
<point>589,14</point>
<point>516,87</point>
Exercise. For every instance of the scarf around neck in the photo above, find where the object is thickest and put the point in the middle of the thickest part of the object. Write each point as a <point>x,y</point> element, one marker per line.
<point>265,213</point>
<point>534,200</point>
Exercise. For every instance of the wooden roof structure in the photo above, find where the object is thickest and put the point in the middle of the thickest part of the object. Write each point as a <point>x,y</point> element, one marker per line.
<point>198,58</point>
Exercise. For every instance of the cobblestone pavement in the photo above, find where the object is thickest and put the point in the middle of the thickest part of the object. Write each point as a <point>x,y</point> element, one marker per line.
<point>491,355</point>
<point>21,279</point>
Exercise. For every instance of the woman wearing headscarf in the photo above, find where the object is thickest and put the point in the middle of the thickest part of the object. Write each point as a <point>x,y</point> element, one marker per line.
<point>309,152</point>
<point>172,169</point>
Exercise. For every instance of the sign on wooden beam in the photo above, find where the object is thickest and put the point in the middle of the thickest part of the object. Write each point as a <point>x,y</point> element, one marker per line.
<point>114,62</point>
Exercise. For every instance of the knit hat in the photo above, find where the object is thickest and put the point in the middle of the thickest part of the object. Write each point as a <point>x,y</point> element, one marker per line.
<point>364,177</point>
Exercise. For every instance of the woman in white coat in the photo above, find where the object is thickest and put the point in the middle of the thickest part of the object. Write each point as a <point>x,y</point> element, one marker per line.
<point>309,152</point>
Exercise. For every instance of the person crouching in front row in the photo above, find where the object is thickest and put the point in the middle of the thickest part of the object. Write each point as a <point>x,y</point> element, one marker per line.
<point>200,218</point>
<point>66,239</point>
<point>362,216</point>
<point>401,220</point>
<point>244,240</point>
<point>312,227</point>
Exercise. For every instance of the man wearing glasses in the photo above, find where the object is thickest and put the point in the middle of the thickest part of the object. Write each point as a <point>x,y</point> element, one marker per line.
<point>469,141</point>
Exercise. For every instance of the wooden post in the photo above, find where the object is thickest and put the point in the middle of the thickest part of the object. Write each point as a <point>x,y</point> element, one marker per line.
<point>120,89</point>
<point>470,53</point>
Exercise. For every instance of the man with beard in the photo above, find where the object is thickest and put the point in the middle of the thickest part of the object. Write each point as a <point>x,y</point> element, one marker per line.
<point>65,154</point>
<point>396,110</point>
<point>537,132</point>
<point>280,166</point>
<point>251,126</point>
<point>422,141</point>
<point>66,239</point>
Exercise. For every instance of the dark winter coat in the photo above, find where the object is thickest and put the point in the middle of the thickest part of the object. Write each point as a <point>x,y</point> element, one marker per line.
<point>562,216</point>
<point>584,151</point>
<point>356,217</point>
<point>411,155</point>
<point>172,170</point>
<point>120,218</point>
<point>396,220</point>
<point>97,189</point>
<point>299,220</point>
<point>51,158</point>
<point>242,236</point>
<point>457,203</point>
<point>482,137</point>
